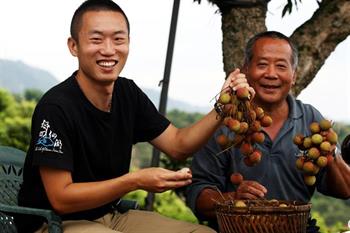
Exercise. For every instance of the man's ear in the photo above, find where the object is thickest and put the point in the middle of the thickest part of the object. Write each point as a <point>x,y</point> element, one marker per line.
<point>294,77</point>
<point>72,46</point>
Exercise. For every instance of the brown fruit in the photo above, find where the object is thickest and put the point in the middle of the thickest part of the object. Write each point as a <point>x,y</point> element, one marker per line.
<point>313,153</point>
<point>322,161</point>
<point>325,146</point>
<point>233,124</point>
<point>222,140</point>
<point>225,98</point>
<point>246,149</point>
<point>252,115</point>
<point>307,143</point>
<point>266,121</point>
<point>332,137</point>
<point>299,163</point>
<point>258,137</point>
<point>325,124</point>
<point>309,180</point>
<point>298,139</point>
<point>255,126</point>
<point>315,127</point>
<point>259,112</point>
<point>316,139</point>
<point>243,93</point>
<point>255,157</point>
<point>236,178</point>
<point>308,167</point>
<point>243,127</point>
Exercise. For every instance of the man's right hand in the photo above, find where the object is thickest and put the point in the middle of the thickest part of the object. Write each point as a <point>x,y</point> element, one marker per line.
<point>156,179</point>
<point>249,189</point>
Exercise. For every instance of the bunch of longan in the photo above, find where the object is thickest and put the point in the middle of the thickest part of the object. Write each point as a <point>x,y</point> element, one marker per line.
<point>316,150</point>
<point>245,121</point>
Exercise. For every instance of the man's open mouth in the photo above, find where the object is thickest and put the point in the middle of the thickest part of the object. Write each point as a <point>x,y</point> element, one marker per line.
<point>107,64</point>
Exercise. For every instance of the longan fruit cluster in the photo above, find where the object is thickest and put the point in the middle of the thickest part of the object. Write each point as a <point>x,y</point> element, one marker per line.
<point>316,150</point>
<point>245,121</point>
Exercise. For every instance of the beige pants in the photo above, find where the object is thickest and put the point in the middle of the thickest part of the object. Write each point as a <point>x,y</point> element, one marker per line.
<point>133,221</point>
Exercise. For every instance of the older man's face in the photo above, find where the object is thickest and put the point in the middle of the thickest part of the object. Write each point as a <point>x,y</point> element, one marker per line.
<point>270,71</point>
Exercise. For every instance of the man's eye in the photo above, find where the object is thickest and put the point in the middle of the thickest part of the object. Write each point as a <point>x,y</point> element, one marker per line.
<point>96,40</point>
<point>262,65</point>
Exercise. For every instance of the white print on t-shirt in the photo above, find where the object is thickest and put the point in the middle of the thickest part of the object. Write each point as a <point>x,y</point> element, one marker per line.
<point>48,140</point>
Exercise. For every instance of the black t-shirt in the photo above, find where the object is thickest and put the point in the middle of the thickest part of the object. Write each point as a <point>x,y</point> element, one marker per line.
<point>69,133</point>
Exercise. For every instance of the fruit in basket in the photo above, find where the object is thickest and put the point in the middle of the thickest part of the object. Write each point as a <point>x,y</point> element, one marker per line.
<point>283,205</point>
<point>236,178</point>
<point>240,203</point>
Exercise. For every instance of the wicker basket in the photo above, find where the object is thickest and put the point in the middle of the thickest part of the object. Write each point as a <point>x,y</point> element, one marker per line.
<point>263,216</point>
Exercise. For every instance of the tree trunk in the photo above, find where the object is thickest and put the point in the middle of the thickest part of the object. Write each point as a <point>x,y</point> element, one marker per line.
<point>238,25</point>
<point>318,37</point>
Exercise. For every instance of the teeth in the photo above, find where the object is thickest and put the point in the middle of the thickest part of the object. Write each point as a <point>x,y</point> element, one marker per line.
<point>106,63</point>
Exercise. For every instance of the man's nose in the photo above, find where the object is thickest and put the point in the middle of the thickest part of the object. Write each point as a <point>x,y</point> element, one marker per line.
<point>271,72</point>
<point>108,47</point>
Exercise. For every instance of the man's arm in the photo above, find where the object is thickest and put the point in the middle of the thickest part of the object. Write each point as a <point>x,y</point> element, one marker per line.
<point>180,143</point>
<point>338,178</point>
<point>67,197</point>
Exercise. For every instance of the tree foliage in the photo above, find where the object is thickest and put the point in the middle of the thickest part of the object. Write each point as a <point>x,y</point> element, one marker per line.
<point>316,38</point>
<point>15,120</point>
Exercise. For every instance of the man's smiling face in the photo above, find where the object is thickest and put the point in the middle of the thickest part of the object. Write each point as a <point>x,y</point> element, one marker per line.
<point>270,71</point>
<point>103,45</point>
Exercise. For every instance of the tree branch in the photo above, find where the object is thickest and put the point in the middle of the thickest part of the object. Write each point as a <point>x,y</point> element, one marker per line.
<point>318,37</point>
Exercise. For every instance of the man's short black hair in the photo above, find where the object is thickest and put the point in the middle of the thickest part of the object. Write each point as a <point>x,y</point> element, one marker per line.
<point>93,5</point>
<point>248,53</point>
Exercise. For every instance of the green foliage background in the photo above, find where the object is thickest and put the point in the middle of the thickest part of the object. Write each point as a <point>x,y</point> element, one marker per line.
<point>15,121</point>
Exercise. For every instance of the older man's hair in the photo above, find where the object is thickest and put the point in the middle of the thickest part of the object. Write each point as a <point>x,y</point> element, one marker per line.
<point>248,52</point>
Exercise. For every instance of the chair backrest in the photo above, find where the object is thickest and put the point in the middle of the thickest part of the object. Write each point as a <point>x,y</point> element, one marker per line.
<point>11,170</point>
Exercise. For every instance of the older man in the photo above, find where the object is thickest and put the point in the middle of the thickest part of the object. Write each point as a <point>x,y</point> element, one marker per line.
<point>270,65</point>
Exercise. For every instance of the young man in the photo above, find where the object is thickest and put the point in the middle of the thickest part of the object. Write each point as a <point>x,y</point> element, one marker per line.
<point>83,131</point>
<point>270,65</point>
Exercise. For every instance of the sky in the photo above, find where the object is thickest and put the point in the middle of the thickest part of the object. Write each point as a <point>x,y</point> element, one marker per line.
<point>36,32</point>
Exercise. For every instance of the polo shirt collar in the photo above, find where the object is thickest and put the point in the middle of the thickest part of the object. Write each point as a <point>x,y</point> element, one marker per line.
<point>294,109</point>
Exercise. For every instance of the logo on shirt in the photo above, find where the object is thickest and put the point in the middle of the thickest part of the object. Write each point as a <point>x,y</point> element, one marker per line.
<point>48,140</point>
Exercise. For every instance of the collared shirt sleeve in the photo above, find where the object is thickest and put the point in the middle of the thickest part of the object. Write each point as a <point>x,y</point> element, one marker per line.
<point>209,168</point>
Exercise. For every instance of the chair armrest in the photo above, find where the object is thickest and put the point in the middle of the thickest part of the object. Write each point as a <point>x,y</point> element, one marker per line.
<point>53,220</point>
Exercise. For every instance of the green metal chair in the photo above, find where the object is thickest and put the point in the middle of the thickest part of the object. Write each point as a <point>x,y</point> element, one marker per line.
<point>11,170</point>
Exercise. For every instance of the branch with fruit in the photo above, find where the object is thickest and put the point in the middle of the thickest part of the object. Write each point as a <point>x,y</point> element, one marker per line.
<point>244,121</point>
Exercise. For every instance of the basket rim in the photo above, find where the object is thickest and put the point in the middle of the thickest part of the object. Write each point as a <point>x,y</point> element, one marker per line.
<point>294,207</point>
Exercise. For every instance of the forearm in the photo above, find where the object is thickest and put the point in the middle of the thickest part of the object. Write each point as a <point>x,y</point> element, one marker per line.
<point>68,197</point>
<point>338,178</point>
<point>205,204</point>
